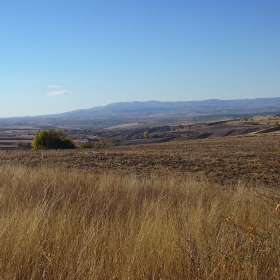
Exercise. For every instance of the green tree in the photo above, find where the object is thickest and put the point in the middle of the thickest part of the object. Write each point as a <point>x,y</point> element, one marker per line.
<point>52,140</point>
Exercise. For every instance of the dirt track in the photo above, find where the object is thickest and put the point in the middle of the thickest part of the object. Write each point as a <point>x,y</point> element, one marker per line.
<point>223,160</point>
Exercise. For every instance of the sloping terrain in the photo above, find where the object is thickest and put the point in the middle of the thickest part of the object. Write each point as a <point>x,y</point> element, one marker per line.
<point>20,137</point>
<point>190,131</point>
<point>223,160</point>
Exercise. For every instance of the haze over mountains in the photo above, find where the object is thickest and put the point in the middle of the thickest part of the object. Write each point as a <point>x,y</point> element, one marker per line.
<point>118,113</point>
<point>155,107</point>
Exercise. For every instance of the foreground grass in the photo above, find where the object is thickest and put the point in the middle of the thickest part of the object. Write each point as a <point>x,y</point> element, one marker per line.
<point>58,224</point>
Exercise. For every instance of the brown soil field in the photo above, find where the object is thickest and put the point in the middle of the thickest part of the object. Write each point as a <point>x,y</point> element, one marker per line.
<point>222,160</point>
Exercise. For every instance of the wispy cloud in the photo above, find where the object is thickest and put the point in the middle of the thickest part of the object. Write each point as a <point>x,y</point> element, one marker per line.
<point>54,86</point>
<point>57,93</point>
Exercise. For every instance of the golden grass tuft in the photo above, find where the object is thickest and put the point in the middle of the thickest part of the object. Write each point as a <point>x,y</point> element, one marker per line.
<point>63,224</point>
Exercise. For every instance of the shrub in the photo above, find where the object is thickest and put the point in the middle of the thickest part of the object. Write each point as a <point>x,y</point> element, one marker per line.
<point>52,140</point>
<point>145,133</point>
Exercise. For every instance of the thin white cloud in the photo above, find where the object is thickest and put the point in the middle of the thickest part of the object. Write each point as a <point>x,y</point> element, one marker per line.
<point>57,93</point>
<point>54,86</point>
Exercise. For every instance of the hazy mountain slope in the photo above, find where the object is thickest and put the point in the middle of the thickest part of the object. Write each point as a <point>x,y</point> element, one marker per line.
<point>123,112</point>
<point>156,107</point>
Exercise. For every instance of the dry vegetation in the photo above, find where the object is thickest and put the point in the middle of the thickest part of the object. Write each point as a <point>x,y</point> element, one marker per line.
<point>59,224</point>
<point>142,212</point>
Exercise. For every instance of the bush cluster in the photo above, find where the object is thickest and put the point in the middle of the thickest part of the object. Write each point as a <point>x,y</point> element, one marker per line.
<point>52,140</point>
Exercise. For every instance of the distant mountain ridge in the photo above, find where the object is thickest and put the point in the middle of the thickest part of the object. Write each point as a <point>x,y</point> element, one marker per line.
<point>209,102</point>
<point>163,112</point>
<point>178,106</point>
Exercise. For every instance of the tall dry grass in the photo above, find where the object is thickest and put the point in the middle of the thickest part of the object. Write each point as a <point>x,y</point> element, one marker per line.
<point>59,224</point>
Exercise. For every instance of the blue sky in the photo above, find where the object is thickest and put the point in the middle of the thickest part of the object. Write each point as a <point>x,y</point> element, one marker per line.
<point>58,56</point>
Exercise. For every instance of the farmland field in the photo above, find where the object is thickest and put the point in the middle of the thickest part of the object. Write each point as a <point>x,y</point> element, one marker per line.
<point>16,137</point>
<point>196,209</point>
<point>223,160</point>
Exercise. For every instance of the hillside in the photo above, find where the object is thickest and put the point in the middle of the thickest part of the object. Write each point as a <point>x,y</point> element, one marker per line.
<point>20,137</point>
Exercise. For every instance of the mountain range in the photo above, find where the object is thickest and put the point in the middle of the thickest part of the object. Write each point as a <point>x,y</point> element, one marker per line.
<point>123,112</point>
<point>156,107</point>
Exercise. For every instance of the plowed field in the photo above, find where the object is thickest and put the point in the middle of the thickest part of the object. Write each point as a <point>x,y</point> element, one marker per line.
<point>222,160</point>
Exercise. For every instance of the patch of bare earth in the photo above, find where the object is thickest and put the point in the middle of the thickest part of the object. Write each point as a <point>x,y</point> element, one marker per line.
<point>222,160</point>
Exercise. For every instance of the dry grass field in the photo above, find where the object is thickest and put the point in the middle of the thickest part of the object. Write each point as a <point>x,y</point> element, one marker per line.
<point>201,209</point>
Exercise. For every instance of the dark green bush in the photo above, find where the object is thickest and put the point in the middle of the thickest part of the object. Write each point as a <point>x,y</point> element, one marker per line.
<point>52,139</point>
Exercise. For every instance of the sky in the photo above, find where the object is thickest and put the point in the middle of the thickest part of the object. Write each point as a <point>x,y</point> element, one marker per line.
<point>57,56</point>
